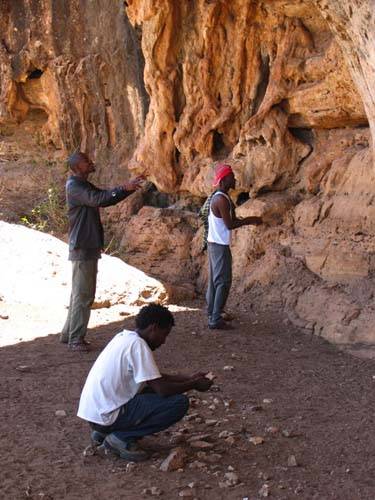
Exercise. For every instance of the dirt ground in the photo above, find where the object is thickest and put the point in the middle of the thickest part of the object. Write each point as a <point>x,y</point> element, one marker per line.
<point>304,397</point>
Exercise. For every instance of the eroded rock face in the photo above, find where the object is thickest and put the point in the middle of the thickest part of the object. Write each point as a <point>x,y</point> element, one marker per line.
<point>281,89</point>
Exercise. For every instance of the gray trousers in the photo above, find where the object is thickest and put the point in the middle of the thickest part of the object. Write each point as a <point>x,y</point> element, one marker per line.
<point>81,300</point>
<point>219,280</point>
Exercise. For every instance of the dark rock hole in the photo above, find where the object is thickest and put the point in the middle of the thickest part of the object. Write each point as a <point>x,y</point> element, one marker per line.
<point>35,74</point>
<point>242,198</point>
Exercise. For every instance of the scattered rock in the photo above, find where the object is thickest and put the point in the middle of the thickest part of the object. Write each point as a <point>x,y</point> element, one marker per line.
<point>272,429</point>
<point>210,376</point>
<point>154,491</point>
<point>186,493</point>
<point>191,416</point>
<point>23,368</point>
<point>229,404</point>
<point>211,422</point>
<point>212,407</point>
<point>228,368</point>
<point>292,461</point>
<point>60,413</point>
<point>197,465</point>
<point>256,440</point>
<point>267,401</point>
<point>264,491</point>
<point>175,460</point>
<point>230,440</point>
<point>130,467</point>
<point>231,478</point>
<point>201,445</point>
<point>225,434</point>
<point>89,451</point>
<point>213,458</point>
<point>286,433</point>
<point>199,437</point>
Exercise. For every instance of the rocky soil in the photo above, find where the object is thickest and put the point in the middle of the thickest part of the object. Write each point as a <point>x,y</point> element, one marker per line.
<point>289,416</point>
<point>283,90</point>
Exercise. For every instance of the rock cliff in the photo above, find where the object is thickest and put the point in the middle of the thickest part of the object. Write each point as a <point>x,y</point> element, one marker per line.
<point>283,90</point>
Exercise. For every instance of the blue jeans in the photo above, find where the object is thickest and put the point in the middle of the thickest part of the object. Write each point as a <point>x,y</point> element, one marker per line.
<point>146,413</point>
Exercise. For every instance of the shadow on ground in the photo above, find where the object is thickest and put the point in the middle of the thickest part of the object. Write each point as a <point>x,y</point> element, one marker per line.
<point>301,395</point>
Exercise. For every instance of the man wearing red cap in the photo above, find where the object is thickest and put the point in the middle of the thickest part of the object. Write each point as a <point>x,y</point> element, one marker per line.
<point>221,220</point>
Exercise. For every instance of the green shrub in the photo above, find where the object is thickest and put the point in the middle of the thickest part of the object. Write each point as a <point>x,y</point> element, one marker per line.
<point>49,215</point>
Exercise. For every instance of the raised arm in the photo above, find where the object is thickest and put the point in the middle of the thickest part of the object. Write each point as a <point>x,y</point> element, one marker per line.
<point>86,194</point>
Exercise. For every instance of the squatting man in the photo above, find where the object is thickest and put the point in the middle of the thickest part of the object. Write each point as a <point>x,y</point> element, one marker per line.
<point>126,397</point>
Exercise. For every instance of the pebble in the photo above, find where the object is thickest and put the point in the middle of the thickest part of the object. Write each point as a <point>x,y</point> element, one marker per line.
<point>267,401</point>
<point>154,490</point>
<point>213,458</point>
<point>199,437</point>
<point>175,460</point>
<point>4,316</point>
<point>186,493</point>
<point>292,461</point>
<point>210,376</point>
<point>286,433</point>
<point>89,451</point>
<point>197,465</point>
<point>231,478</point>
<point>272,429</point>
<point>264,491</point>
<point>60,413</point>
<point>230,440</point>
<point>228,368</point>
<point>211,422</point>
<point>229,404</point>
<point>256,440</point>
<point>225,434</point>
<point>201,445</point>
<point>23,368</point>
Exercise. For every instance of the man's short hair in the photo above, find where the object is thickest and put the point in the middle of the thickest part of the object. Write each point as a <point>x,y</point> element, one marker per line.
<point>154,314</point>
<point>74,159</point>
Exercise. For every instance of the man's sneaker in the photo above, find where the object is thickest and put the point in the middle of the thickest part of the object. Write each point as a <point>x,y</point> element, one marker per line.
<point>226,316</point>
<point>220,325</point>
<point>97,437</point>
<point>126,450</point>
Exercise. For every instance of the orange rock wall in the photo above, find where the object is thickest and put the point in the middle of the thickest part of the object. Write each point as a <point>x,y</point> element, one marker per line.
<point>281,89</point>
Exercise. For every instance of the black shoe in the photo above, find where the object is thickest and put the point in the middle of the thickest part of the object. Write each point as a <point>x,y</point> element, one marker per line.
<point>220,325</point>
<point>126,450</point>
<point>97,437</point>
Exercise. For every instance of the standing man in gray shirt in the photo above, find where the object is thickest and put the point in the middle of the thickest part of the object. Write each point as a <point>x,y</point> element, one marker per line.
<point>86,242</point>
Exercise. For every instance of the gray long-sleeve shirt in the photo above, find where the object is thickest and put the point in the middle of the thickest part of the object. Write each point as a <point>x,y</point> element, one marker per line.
<point>86,235</point>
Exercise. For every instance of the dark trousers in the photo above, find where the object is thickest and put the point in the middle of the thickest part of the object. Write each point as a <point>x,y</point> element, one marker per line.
<point>219,280</point>
<point>81,299</point>
<point>146,413</point>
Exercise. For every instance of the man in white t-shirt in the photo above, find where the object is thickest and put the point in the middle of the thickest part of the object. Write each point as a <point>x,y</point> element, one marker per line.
<point>125,397</point>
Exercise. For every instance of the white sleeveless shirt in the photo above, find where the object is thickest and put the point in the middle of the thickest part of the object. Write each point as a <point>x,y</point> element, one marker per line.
<point>217,230</point>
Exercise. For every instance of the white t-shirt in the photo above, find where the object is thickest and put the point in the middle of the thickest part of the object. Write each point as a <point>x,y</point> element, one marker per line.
<point>117,375</point>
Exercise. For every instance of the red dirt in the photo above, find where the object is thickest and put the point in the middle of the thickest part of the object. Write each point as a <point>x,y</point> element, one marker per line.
<point>322,396</point>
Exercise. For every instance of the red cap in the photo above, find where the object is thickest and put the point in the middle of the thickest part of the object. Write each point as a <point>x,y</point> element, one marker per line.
<point>221,172</point>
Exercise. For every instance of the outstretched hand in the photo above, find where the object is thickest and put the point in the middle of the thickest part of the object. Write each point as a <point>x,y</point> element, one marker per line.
<point>134,184</point>
<point>202,384</point>
<point>255,221</point>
